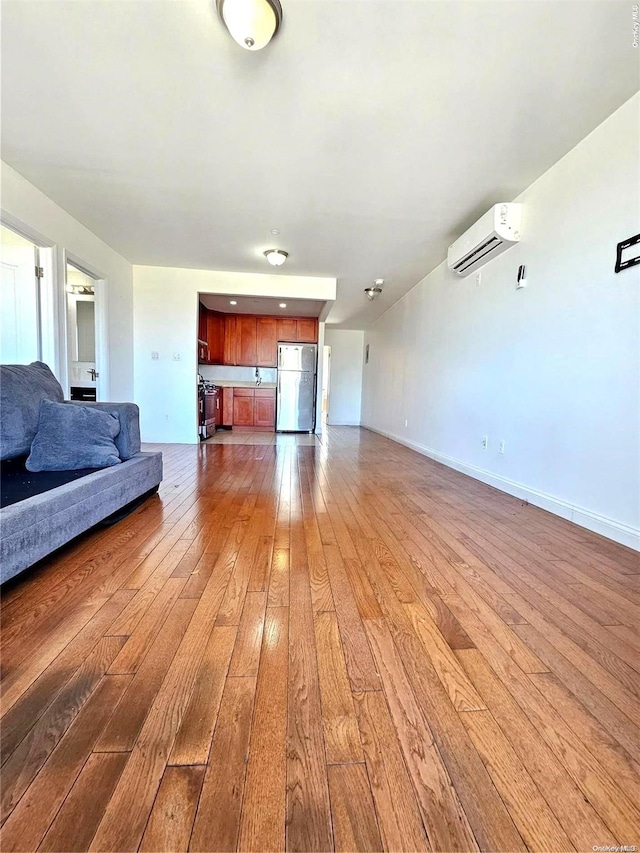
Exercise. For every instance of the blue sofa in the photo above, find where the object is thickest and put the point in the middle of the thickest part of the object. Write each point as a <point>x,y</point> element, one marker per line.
<point>42,511</point>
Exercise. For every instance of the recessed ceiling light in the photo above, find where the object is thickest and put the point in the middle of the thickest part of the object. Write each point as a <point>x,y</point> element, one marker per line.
<point>283,304</point>
<point>232,302</point>
<point>275,230</point>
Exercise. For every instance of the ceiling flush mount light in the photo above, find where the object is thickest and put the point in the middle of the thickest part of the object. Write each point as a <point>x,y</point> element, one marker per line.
<point>232,302</point>
<point>252,23</point>
<point>374,291</point>
<point>283,304</point>
<point>276,257</point>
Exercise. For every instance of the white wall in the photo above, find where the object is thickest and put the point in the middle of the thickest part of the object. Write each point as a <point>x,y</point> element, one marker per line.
<point>165,310</point>
<point>345,386</point>
<point>553,369</point>
<point>23,203</point>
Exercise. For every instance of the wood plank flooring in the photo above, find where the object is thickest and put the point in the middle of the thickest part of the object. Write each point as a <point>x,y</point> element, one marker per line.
<point>311,646</point>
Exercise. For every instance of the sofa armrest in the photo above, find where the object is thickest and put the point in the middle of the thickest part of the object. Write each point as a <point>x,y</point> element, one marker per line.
<point>128,439</point>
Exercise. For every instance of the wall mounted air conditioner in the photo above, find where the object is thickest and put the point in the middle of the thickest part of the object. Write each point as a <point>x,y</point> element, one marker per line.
<point>492,234</point>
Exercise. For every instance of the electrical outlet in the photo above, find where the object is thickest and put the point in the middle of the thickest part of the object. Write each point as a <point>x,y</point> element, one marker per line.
<point>155,355</point>
<point>485,442</point>
<point>501,448</point>
<point>406,423</point>
<point>176,356</point>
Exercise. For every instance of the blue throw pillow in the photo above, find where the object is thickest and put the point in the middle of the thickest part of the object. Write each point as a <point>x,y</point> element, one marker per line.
<point>71,437</point>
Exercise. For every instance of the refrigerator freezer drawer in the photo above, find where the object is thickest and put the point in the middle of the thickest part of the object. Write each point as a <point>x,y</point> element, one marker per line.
<point>296,397</point>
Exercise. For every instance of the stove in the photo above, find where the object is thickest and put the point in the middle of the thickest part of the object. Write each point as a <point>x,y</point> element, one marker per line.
<point>208,409</point>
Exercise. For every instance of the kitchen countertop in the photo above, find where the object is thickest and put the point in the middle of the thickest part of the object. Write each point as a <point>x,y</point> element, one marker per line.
<point>231,383</point>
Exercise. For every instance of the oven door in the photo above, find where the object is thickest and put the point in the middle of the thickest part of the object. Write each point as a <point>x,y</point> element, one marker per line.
<point>210,400</point>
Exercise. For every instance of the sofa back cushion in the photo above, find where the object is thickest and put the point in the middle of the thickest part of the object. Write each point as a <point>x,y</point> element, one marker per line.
<point>73,437</point>
<point>22,389</point>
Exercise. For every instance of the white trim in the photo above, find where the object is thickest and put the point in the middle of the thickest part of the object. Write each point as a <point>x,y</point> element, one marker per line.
<point>622,533</point>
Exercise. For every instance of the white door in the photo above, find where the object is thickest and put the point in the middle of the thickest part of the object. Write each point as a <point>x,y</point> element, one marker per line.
<point>19,301</point>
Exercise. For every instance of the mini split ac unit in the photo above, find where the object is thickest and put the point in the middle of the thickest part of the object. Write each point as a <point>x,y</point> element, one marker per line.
<point>489,237</point>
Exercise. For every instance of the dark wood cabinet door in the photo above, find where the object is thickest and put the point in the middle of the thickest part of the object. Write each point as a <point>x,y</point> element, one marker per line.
<point>265,412</point>
<point>307,330</point>
<point>230,339</point>
<point>246,328</point>
<point>243,411</point>
<point>267,342</point>
<point>287,329</point>
<point>227,406</point>
<point>202,322</point>
<point>215,337</point>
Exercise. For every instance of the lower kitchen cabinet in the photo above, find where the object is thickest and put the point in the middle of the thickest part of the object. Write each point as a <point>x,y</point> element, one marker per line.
<point>243,405</point>
<point>264,411</point>
<point>227,406</point>
<point>254,407</point>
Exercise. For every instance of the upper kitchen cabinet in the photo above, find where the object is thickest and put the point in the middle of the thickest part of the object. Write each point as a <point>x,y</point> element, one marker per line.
<point>246,340</point>
<point>230,339</point>
<point>215,337</point>
<point>287,330</point>
<point>307,330</point>
<point>266,342</point>
<point>202,322</point>
<point>249,340</point>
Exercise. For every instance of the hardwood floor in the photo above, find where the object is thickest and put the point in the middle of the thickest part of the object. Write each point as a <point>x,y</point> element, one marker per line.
<point>317,646</point>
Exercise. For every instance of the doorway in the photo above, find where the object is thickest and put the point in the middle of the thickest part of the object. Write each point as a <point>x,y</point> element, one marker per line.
<point>326,384</point>
<point>82,372</point>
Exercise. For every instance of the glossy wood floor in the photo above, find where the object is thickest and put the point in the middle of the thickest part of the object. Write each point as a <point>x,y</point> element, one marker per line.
<point>332,646</point>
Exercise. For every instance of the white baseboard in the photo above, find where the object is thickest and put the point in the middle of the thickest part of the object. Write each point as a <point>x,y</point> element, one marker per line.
<point>343,423</point>
<point>622,533</point>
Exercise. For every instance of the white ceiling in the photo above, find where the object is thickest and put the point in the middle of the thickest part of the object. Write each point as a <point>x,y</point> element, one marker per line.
<point>262,305</point>
<point>370,132</point>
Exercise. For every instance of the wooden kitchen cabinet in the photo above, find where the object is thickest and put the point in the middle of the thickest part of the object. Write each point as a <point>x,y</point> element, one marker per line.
<point>202,322</point>
<point>287,329</point>
<point>230,339</point>
<point>266,342</point>
<point>307,330</point>
<point>243,405</point>
<point>215,337</point>
<point>246,340</point>
<point>264,411</point>
<point>249,340</point>
<point>227,406</point>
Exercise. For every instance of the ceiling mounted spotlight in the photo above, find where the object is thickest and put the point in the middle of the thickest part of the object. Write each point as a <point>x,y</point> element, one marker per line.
<point>276,257</point>
<point>376,290</point>
<point>252,23</point>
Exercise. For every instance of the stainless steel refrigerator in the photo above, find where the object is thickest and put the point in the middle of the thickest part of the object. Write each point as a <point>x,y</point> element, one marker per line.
<point>296,404</point>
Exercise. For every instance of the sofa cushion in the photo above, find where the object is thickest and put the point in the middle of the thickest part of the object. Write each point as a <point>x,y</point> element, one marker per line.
<point>22,389</point>
<point>71,437</point>
<point>17,484</point>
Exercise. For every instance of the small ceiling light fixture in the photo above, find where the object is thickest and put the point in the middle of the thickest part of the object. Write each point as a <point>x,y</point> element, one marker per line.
<point>252,23</point>
<point>276,257</point>
<point>374,291</point>
<point>275,230</point>
<point>232,302</point>
<point>283,304</point>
